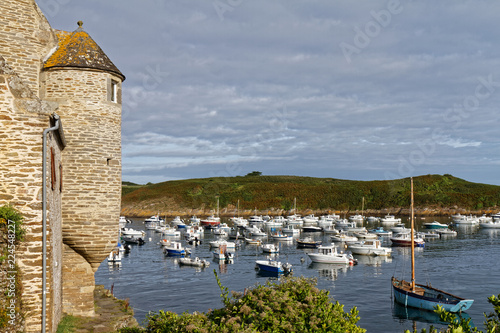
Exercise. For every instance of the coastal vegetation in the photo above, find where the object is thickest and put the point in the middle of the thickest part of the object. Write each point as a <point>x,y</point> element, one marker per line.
<point>11,235</point>
<point>433,193</point>
<point>292,305</point>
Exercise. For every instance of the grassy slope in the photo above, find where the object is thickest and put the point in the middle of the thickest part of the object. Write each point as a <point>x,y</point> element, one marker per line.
<point>278,192</point>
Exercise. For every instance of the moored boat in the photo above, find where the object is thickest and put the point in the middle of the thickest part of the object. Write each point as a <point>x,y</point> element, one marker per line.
<point>435,225</point>
<point>270,248</point>
<point>411,294</point>
<point>369,247</point>
<point>308,242</point>
<point>329,255</point>
<point>197,262</point>
<point>311,228</point>
<point>175,248</point>
<point>406,239</point>
<point>220,242</point>
<point>273,266</point>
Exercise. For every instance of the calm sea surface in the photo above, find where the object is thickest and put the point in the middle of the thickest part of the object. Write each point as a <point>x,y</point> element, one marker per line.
<point>467,265</point>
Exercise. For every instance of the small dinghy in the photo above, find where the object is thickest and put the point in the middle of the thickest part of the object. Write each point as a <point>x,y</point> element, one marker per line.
<point>197,262</point>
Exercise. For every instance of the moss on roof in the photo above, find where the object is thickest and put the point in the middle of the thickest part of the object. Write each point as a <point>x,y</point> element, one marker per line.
<point>78,49</point>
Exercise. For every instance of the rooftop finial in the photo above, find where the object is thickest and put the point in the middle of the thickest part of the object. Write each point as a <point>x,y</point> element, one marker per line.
<point>80,23</point>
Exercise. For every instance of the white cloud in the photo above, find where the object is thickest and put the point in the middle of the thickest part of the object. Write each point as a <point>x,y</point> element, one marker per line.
<point>269,89</point>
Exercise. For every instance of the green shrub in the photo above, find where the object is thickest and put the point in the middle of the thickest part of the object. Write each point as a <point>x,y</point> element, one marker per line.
<point>293,305</point>
<point>7,213</point>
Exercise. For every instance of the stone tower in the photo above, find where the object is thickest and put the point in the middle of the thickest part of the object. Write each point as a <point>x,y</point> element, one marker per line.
<point>43,71</point>
<point>87,86</point>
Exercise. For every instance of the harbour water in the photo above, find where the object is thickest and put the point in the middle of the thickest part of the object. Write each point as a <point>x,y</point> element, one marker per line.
<point>466,265</point>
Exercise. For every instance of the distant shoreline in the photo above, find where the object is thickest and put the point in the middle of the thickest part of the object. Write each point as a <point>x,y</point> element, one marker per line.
<point>426,212</point>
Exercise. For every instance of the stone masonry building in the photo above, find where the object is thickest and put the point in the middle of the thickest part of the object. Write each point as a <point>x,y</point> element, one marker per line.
<point>46,76</point>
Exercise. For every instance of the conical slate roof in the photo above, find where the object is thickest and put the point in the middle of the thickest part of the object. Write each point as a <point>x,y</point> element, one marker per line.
<point>78,49</point>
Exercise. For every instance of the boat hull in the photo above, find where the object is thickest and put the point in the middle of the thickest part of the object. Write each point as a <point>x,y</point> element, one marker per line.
<point>272,269</point>
<point>429,299</point>
<point>328,259</point>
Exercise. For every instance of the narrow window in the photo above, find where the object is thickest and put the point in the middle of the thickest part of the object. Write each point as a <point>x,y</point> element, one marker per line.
<point>60,177</point>
<point>114,91</point>
<point>52,169</point>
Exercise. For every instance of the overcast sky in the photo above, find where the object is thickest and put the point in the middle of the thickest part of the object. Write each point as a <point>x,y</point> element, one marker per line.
<point>360,89</point>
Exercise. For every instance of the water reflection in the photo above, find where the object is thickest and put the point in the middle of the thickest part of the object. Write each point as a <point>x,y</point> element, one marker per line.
<point>114,266</point>
<point>408,313</point>
<point>375,261</point>
<point>330,271</point>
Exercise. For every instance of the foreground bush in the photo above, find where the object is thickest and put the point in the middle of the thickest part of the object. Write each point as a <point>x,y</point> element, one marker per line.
<point>293,305</point>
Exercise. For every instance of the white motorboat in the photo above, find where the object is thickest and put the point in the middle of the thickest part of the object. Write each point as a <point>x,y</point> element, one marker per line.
<point>253,241</point>
<point>310,220</point>
<point>485,219</point>
<point>195,231</point>
<point>343,223</point>
<point>405,239</point>
<point>465,220</point>
<point>331,230</point>
<point>380,231</point>
<point>154,218</point>
<point>151,225</point>
<point>255,219</point>
<point>122,222</point>
<point>369,247</point>
<point>194,220</point>
<point>290,230</point>
<point>490,225</point>
<point>279,236</point>
<point>357,218</point>
<point>329,255</point>
<point>175,248</point>
<point>325,221</point>
<point>446,232</point>
<point>276,222</point>
<point>132,239</point>
<point>435,225</point>
<point>364,235</point>
<point>197,262</point>
<point>220,242</point>
<point>239,221</point>
<point>388,219</point>
<point>132,232</point>
<point>270,248</point>
<point>295,220</point>
<point>219,232</point>
<point>170,232</point>
<point>343,237</point>
<point>255,231</point>
<point>178,222</point>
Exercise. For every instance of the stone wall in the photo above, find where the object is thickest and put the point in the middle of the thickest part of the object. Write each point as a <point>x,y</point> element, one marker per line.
<point>23,117</point>
<point>26,37</point>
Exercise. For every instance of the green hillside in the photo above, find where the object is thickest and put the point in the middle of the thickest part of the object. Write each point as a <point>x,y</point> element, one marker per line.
<point>318,194</point>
